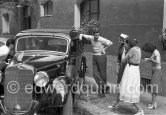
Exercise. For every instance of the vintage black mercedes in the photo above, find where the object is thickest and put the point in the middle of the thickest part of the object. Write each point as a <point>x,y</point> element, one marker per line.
<point>41,74</point>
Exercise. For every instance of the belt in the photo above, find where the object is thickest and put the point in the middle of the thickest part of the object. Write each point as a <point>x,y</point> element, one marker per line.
<point>134,64</point>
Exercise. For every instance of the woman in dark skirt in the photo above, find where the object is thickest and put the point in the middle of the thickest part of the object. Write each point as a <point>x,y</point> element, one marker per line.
<point>155,59</point>
<point>121,65</point>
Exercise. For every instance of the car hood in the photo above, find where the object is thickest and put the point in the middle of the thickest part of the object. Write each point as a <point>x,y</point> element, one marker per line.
<point>43,63</point>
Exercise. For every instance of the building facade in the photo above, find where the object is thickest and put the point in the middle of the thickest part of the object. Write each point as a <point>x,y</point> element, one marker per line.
<point>140,19</point>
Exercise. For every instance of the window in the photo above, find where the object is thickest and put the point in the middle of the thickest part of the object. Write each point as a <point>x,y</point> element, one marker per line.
<point>90,10</point>
<point>46,8</point>
<point>5,23</point>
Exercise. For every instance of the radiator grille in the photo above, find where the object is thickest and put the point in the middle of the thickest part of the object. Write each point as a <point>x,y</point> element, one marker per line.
<point>20,97</point>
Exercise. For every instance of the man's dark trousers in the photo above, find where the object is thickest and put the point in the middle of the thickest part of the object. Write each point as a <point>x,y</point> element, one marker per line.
<point>100,70</point>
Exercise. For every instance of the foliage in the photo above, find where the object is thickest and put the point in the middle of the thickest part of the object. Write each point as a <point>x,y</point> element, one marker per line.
<point>88,26</point>
<point>10,5</point>
<point>162,38</point>
<point>13,5</point>
<point>16,7</point>
<point>163,34</point>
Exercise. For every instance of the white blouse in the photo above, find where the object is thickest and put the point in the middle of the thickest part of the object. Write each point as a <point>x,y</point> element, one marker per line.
<point>156,56</point>
<point>4,51</point>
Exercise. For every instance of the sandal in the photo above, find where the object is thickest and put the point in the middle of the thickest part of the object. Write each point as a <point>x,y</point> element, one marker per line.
<point>153,106</point>
<point>140,112</point>
<point>114,106</point>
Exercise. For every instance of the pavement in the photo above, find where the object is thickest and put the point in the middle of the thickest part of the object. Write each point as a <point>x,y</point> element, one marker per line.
<point>92,104</point>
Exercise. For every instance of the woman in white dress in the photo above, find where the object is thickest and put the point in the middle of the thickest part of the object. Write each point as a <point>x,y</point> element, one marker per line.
<point>130,83</point>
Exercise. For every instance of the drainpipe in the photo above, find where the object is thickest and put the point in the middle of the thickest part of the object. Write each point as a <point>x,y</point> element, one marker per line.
<point>19,16</point>
<point>164,15</point>
<point>77,13</point>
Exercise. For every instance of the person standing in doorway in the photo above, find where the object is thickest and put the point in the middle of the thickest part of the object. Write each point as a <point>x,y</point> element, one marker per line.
<point>99,45</point>
<point>155,60</point>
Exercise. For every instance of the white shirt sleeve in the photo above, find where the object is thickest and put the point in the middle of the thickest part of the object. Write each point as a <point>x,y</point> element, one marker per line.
<point>88,37</point>
<point>4,50</point>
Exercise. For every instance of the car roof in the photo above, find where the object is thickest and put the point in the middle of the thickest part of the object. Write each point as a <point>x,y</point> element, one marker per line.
<point>66,31</point>
<point>43,32</point>
<point>49,32</point>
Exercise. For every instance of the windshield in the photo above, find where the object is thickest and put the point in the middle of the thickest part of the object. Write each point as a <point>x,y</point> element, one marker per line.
<point>58,43</point>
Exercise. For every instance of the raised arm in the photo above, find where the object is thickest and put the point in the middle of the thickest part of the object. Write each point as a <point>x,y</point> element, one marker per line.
<point>125,56</point>
<point>87,37</point>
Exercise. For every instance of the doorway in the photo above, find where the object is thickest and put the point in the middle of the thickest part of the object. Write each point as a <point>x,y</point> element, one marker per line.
<point>5,23</point>
<point>26,13</point>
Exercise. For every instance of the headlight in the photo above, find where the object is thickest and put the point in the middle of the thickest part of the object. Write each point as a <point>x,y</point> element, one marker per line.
<point>41,79</point>
<point>59,85</point>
